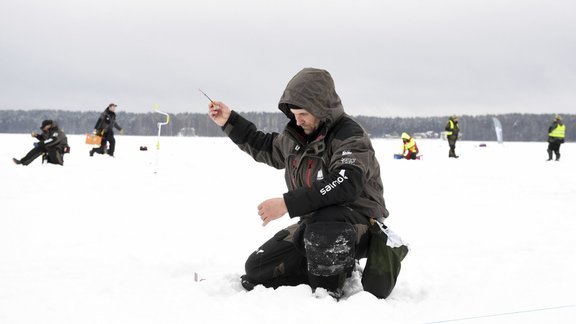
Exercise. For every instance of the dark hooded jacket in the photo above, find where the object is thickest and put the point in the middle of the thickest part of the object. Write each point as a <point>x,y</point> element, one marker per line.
<point>334,166</point>
<point>54,137</point>
<point>107,122</point>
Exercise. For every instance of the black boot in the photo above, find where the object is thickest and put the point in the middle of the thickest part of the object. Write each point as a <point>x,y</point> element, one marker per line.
<point>333,284</point>
<point>549,155</point>
<point>16,161</point>
<point>247,283</point>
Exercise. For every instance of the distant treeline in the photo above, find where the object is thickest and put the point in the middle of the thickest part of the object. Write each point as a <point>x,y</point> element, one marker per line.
<point>516,127</point>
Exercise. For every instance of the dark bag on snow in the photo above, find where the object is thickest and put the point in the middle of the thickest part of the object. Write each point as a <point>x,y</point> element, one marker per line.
<point>385,253</point>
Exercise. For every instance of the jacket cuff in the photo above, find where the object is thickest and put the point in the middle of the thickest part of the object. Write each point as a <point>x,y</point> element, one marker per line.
<point>298,202</point>
<point>237,127</point>
<point>227,128</point>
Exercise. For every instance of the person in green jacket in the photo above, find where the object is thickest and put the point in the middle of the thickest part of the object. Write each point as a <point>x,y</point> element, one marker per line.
<point>333,180</point>
<point>556,134</point>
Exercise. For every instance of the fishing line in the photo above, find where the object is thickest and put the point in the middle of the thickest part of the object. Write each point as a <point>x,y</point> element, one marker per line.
<point>501,314</point>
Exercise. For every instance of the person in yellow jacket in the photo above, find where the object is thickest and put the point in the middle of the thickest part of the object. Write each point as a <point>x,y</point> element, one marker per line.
<point>556,134</point>
<point>410,149</point>
<point>452,129</point>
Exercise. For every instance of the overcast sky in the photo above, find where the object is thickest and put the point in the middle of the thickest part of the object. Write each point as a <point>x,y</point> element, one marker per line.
<point>387,57</point>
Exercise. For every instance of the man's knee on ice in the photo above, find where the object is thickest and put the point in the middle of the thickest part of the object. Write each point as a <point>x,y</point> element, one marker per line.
<point>330,249</point>
<point>277,262</point>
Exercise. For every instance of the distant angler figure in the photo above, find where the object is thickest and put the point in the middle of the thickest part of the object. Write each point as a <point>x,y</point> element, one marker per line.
<point>452,129</point>
<point>105,127</point>
<point>52,145</point>
<point>556,134</point>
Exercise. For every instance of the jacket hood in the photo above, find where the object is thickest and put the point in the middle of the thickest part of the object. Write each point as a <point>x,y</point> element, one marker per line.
<point>52,123</point>
<point>312,90</point>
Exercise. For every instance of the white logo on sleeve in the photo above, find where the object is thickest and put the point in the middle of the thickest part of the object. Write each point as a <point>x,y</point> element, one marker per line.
<point>335,183</point>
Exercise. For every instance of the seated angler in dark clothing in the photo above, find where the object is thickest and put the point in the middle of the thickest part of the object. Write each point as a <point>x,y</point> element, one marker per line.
<point>52,145</point>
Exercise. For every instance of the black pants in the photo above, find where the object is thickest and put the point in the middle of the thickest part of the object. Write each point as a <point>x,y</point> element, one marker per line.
<point>54,155</point>
<point>108,137</point>
<point>554,147</point>
<point>452,144</point>
<point>281,261</point>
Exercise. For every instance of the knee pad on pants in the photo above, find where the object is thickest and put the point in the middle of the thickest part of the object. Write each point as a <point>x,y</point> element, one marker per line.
<point>330,247</point>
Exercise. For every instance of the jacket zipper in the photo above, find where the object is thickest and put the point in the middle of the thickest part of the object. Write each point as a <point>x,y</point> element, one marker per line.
<point>309,175</point>
<point>294,173</point>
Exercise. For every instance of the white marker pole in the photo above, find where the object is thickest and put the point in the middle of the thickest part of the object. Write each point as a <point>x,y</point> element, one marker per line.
<point>160,124</point>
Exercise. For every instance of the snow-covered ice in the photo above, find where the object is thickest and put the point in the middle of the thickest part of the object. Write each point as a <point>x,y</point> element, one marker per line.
<point>109,240</point>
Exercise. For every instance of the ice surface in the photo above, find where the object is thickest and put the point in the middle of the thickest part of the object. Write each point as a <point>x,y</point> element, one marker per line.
<point>106,240</point>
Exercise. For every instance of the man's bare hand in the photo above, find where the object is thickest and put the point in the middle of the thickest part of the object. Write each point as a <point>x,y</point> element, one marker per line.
<point>272,209</point>
<point>218,112</point>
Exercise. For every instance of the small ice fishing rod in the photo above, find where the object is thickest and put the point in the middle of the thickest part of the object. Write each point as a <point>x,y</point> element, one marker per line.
<point>205,95</point>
